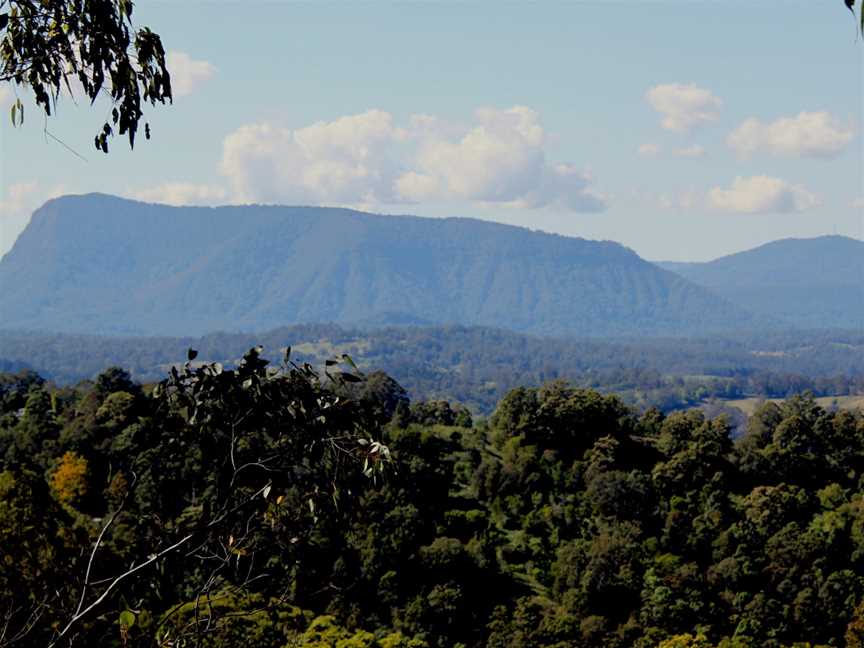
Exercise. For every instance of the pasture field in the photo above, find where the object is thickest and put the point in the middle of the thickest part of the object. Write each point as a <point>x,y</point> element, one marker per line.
<point>855,401</point>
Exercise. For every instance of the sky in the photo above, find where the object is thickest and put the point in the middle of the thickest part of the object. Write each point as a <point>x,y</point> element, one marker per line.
<point>684,129</point>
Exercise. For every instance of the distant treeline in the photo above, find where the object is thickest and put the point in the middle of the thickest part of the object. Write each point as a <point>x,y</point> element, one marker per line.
<point>478,366</point>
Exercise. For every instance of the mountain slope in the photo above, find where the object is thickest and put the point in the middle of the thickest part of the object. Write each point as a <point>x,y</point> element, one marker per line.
<point>100,264</point>
<point>812,283</point>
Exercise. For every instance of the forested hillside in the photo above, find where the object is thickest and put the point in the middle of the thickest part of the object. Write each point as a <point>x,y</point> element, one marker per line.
<point>477,366</point>
<point>99,264</point>
<point>810,283</point>
<point>270,507</point>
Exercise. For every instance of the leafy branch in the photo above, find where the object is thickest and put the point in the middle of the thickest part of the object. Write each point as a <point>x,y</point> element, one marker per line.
<point>49,44</point>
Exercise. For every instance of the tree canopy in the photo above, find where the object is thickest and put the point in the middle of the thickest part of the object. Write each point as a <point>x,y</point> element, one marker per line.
<point>197,474</point>
<point>228,507</point>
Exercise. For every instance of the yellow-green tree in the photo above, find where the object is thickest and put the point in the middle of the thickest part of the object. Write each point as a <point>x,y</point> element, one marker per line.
<point>69,480</point>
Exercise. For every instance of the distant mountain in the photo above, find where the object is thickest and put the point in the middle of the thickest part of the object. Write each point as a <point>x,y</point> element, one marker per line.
<point>811,283</point>
<point>104,265</point>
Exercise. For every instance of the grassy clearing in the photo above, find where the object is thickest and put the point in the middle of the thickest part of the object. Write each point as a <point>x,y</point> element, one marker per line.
<point>748,405</point>
<point>325,349</point>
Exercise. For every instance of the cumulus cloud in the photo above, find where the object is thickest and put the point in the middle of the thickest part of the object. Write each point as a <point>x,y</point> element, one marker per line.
<point>500,160</point>
<point>649,150</point>
<point>563,187</point>
<point>18,197</point>
<point>761,194</point>
<point>348,160</point>
<point>694,151</point>
<point>181,193</point>
<point>684,107</point>
<point>497,161</point>
<point>808,134</point>
<point>418,187</point>
<point>367,159</point>
<point>17,202</point>
<point>187,74</point>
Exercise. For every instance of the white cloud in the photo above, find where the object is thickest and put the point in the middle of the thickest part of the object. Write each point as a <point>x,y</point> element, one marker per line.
<point>181,193</point>
<point>349,160</point>
<point>501,160</point>
<point>497,161</point>
<point>649,150</point>
<point>808,134</point>
<point>761,194</point>
<point>187,74</point>
<point>684,107</point>
<point>418,187</point>
<point>694,151</point>
<point>18,197</point>
<point>17,203</point>
<point>366,159</point>
<point>563,187</point>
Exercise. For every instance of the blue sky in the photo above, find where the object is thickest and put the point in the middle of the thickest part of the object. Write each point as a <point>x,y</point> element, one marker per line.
<point>685,130</point>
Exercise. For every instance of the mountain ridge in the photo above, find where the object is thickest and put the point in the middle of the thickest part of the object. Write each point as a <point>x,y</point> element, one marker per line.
<point>101,264</point>
<point>809,282</point>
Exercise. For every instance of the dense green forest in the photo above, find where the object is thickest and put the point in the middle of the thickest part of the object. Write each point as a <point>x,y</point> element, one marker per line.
<point>478,366</point>
<point>282,506</point>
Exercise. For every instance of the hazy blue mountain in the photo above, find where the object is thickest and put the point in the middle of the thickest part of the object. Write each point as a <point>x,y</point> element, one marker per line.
<point>101,264</point>
<point>813,283</point>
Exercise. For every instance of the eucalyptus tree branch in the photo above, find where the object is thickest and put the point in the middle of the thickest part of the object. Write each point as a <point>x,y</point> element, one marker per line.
<point>80,614</point>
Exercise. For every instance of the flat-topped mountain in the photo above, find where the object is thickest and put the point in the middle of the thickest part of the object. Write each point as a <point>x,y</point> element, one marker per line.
<point>811,283</point>
<point>101,264</point>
